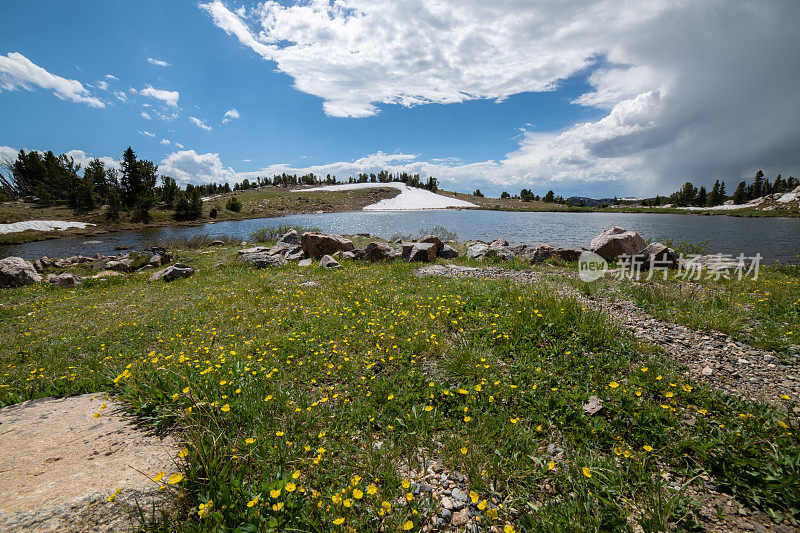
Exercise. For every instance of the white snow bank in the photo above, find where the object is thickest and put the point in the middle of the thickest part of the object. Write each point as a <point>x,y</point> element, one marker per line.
<point>409,199</point>
<point>41,225</point>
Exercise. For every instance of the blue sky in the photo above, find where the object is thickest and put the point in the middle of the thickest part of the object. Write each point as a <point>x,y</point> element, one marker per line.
<point>497,97</point>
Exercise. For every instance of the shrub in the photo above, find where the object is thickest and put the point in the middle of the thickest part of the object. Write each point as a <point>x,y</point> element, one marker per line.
<point>276,232</point>
<point>233,204</point>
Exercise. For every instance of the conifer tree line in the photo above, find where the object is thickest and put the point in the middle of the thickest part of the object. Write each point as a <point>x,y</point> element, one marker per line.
<point>690,195</point>
<point>47,180</point>
<point>526,195</point>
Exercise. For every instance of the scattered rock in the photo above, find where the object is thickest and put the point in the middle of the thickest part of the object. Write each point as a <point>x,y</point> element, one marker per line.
<point>477,251</point>
<point>15,272</point>
<point>419,251</point>
<point>593,406</point>
<point>499,243</point>
<point>263,260</point>
<point>329,262</point>
<point>433,239</point>
<point>349,256</point>
<point>305,263</point>
<point>378,251</point>
<point>657,255</point>
<point>173,272</point>
<point>707,371</point>
<point>296,256</point>
<point>290,237</point>
<point>448,252</point>
<point>317,245</point>
<point>64,280</point>
<point>217,243</point>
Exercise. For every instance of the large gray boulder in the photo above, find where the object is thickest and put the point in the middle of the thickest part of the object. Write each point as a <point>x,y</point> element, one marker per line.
<point>317,245</point>
<point>329,262</point>
<point>15,272</point>
<point>122,265</point>
<point>173,272</point>
<point>615,242</point>
<point>377,251</point>
<point>447,252</point>
<point>419,251</point>
<point>477,251</point>
<point>263,260</point>
<point>499,251</point>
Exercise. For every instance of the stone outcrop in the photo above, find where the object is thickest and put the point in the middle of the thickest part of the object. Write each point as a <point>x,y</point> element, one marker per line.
<point>317,245</point>
<point>378,251</point>
<point>263,259</point>
<point>419,251</point>
<point>66,279</point>
<point>436,241</point>
<point>15,272</point>
<point>447,252</point>
<point>615,242</point>
<point>657,255</point>
<point>173,272</point>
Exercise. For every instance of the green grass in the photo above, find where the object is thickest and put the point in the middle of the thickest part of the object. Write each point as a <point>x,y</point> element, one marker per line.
<point>375,369</point>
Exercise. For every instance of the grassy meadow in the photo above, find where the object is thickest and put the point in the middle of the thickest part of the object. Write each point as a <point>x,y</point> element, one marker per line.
<point>299,407</point>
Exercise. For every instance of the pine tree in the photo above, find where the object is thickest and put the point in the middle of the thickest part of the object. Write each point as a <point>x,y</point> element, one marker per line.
<point>740,194</point>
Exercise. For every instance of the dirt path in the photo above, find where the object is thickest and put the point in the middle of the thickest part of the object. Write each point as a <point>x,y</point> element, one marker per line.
<point>709,357</point>
<point>59,464</point>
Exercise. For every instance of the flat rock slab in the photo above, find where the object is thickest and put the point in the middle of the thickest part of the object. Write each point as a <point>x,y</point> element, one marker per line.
<point>59,464</point>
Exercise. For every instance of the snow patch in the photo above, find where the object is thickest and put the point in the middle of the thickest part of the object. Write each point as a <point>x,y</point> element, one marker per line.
<point>41,225</point>
<point>409,199</point>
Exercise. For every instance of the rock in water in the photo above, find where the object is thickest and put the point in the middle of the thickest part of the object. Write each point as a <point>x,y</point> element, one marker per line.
<point>317,245</point>
<point>173,272</point>
<point>15,272</point>
<point>448,252</point>
<point>617,241</point>
<point>329,262</point>
<point>377,251</point>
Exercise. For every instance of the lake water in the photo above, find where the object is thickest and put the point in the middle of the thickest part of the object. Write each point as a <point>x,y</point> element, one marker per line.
<point>773,238</point>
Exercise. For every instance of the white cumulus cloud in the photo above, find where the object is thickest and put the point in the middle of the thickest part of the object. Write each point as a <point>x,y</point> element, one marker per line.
<point>687,90</point>
<point>200,123</point>
<point>230,114</point>
<point>168,97</point>
<point>157,62</point>
<point>165,142</point>
<point>19,72</point>
<point>190,167</point>
<point>147,133</point>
